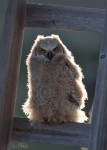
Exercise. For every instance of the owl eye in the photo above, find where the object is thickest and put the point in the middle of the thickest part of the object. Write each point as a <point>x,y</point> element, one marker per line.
<point>55,49</point>
<point>42,50</point>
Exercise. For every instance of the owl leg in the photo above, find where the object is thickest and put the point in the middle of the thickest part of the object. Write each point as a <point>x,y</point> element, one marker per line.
<point>78,116</point>
<point>30,111</point>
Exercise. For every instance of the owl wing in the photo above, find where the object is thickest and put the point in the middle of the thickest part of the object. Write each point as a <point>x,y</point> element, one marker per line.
<point>74,69</point>
<point>73,100</point>
<point>76,74</point>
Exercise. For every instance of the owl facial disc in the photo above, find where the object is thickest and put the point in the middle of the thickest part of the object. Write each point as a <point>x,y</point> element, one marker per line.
<point>48,44</point>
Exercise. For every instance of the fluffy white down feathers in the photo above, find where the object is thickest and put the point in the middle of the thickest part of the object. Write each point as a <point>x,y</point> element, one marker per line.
<point>56,92</point>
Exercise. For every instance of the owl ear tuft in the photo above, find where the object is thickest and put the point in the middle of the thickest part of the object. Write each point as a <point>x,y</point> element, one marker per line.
<point>39,37</point>
<point>55,36</point>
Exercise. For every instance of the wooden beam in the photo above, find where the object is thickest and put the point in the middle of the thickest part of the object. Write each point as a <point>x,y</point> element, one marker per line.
<point>74,134</point>
<point>65,17</point>
<point>98,134</point>
<point>10,54</point>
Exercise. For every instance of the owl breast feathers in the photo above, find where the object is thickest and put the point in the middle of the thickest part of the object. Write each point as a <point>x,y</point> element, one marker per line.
<point>56,92</point>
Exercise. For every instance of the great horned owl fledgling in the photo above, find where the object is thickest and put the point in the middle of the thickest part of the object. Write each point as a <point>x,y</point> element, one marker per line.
<point>56,91</point>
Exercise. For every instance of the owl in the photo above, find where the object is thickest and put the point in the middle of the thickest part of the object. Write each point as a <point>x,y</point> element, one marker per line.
<point>56,92</point>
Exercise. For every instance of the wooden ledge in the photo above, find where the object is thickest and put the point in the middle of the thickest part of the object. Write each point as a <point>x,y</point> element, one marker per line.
<point>65,17</point>
<point>75,134</point>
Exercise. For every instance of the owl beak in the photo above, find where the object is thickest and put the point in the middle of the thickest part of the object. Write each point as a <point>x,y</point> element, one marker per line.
<point>50,55</point>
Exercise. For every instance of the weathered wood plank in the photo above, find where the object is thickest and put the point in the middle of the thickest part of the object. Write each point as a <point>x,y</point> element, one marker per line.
<point>65,17</point>
<point>98,134</point>
<point>10,53</point>
<point>74,134</point>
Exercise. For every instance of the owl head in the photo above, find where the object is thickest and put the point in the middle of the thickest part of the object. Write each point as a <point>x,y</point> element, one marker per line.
<point>49,47</point>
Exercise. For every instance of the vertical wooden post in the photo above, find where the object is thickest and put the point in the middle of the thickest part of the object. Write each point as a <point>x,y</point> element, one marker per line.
<point>98,134</point>
<point>10,54</point>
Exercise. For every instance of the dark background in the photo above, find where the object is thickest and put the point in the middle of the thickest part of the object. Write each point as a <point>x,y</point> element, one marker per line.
<point>84,45</point>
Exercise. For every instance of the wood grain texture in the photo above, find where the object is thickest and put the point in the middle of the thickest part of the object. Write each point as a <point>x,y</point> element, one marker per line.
<point>74,134</point>
<point>65,17</point>
<point>10,53</point>
<point>98,133</point>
